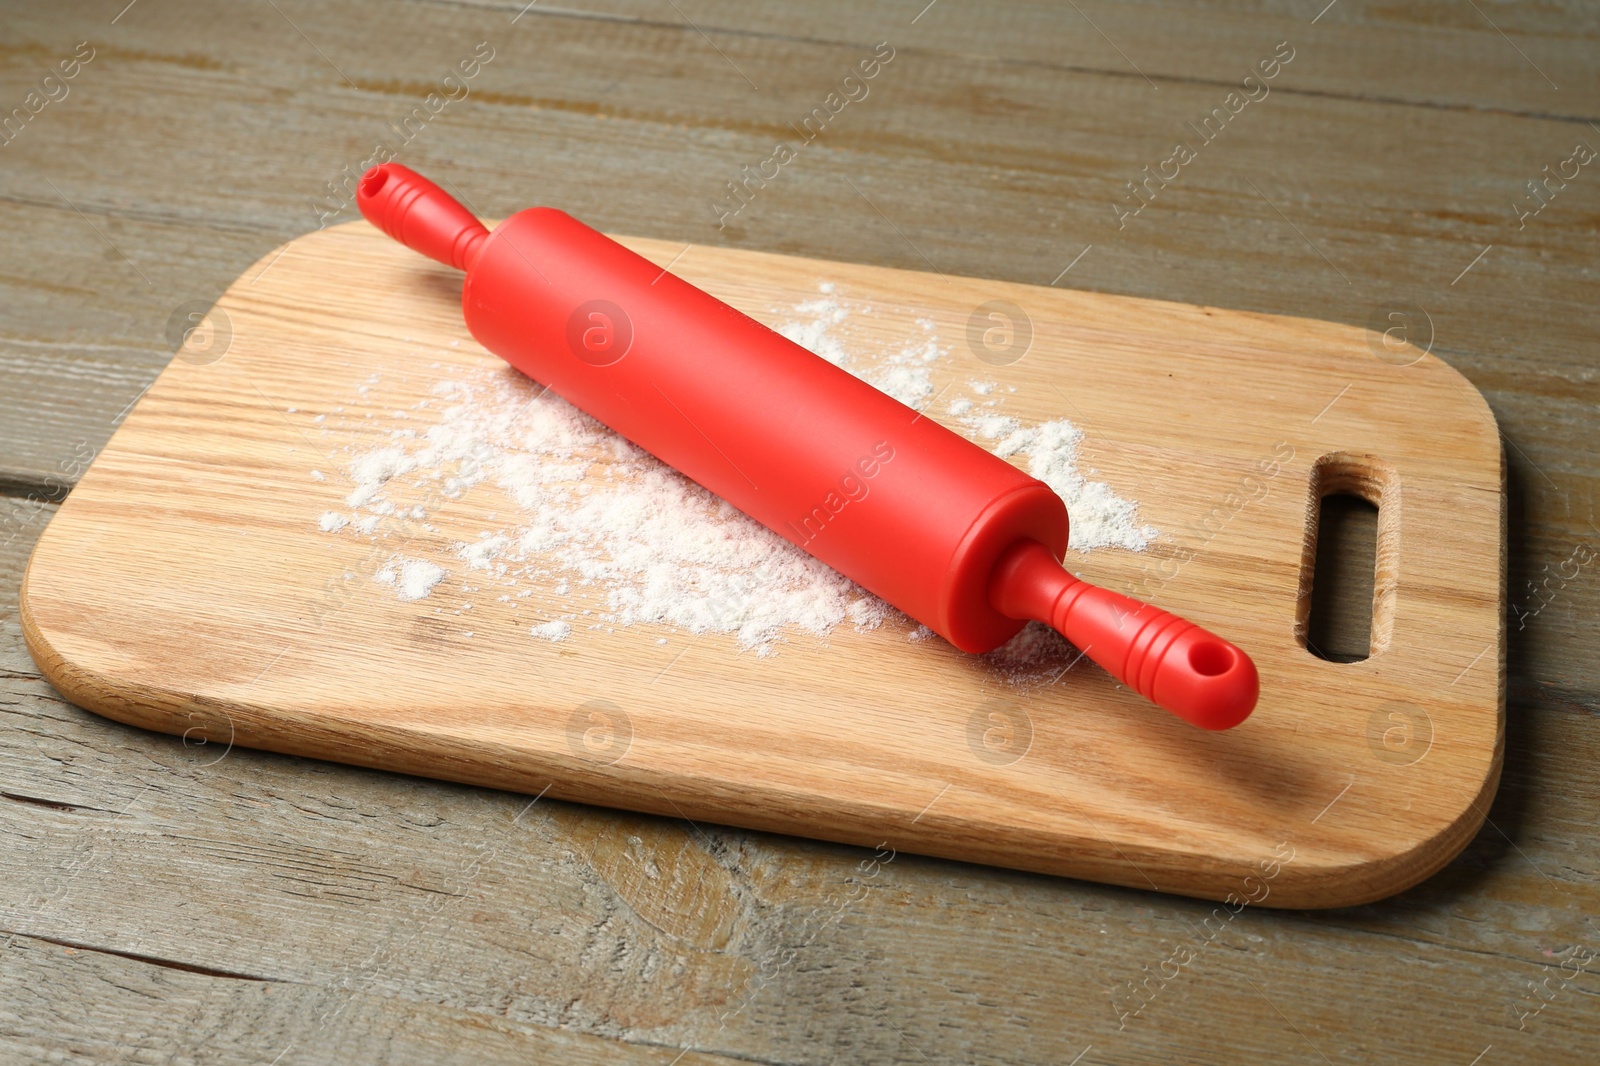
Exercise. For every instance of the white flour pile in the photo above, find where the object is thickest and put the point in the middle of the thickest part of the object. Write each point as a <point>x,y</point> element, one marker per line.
<point>585,509</point>
<point>413,578</point>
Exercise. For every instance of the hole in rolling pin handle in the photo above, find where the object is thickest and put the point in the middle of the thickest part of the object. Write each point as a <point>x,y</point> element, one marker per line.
<point>1210,658</point>
<point>372,183</point>
<point>1349,568</point>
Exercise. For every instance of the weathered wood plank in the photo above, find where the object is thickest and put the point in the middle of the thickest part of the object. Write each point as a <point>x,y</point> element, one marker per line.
<point>1436,53</point>
<point>65,1003</point>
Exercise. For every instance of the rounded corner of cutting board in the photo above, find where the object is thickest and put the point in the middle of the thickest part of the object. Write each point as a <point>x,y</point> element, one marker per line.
<point>53,666</point>
<point>79,683</point>
<point>1476,405</point>
<point>1332,886</point>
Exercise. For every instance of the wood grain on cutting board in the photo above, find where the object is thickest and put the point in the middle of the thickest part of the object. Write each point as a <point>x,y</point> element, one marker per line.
<point>184,587</point>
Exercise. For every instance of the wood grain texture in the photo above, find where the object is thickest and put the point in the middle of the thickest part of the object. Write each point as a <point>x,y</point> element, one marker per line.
<point>63,1002</point>
<point>197,137</point>
<point>185,587</point>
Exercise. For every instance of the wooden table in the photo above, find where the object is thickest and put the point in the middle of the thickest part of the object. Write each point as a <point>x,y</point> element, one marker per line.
<point>172,902</point>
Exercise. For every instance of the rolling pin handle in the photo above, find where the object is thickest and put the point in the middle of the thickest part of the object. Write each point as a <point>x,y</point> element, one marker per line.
<point>420,215</point>
<point>1175,664</point>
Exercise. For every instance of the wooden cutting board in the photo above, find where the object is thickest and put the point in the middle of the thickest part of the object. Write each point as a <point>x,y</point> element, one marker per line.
<point>184,586</point>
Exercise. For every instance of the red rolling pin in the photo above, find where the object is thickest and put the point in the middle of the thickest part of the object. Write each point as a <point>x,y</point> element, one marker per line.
<point>955,537</point>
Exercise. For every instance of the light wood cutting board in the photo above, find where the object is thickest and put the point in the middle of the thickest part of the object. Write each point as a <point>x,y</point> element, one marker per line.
<point>184,586</point>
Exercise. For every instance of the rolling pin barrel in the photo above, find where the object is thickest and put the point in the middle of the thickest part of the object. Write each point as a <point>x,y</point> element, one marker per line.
<point>952,535</point>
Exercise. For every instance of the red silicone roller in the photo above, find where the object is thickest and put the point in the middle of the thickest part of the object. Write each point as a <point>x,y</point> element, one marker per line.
<point>955,537</point>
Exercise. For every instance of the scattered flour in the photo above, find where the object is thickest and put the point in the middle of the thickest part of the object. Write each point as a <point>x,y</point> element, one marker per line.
<point>905,373</point>
<point>631,541</point>
<point>1099,518</point>
<point>552,631</point>
<point>413,578</point>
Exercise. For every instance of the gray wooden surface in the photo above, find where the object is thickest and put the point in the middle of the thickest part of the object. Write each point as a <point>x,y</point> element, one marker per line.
<point>164,903</point>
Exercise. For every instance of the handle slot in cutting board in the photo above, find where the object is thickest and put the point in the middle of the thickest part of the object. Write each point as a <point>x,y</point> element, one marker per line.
<point>1327,615</point>
<point>868,738</point>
